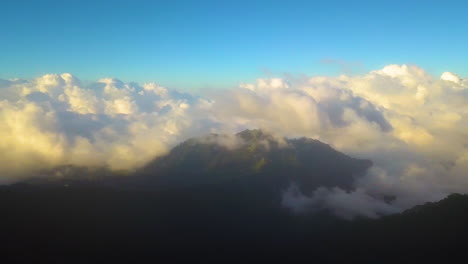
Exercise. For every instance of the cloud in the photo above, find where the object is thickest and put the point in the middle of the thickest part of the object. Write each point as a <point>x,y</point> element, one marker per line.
<point>55,120</point>
<point>346,204</point>
<point>414,127</point>
<point>448,76</point>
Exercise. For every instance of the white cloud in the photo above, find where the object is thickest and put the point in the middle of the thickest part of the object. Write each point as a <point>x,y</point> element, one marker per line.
<point>54,120</point>
<point>341,203</point>
<point>448,76</point>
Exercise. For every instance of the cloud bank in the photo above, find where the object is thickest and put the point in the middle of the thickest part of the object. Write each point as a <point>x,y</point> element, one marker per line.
<point>413,126</point>
<point>55,120</point>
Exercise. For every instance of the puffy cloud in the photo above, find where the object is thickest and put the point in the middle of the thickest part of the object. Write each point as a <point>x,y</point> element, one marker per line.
<point>55,120</point>
<point>448,76</point>
<point>28,137</point>
<point>319,108</point>
<point>412,125</point>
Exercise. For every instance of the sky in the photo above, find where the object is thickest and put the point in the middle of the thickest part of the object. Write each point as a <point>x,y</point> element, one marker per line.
<point>191,45</point>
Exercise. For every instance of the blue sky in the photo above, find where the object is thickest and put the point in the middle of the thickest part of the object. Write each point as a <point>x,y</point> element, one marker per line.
<point>198,44</point>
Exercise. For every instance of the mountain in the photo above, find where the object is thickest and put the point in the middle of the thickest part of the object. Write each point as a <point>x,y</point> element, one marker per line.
<point>255,157</point>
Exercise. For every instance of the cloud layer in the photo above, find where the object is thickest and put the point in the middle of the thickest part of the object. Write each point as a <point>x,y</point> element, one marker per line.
<point>414,127</point>
<point>55,120</point>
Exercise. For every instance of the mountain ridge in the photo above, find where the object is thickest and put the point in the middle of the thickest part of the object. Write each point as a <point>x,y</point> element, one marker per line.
<point>255,153</point>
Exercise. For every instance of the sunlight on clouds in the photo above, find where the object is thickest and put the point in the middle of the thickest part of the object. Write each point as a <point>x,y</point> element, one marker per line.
<point>448,76</point>
<point>54,120</point>
<point>28,137</point>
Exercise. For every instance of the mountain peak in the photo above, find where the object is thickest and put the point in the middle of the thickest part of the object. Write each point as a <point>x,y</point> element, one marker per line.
<point>257,139</point>
<point>257,156</point>
<point>250,134</point>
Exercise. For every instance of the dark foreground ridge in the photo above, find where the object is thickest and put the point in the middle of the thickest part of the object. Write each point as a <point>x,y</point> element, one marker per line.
<point>88,224</point>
